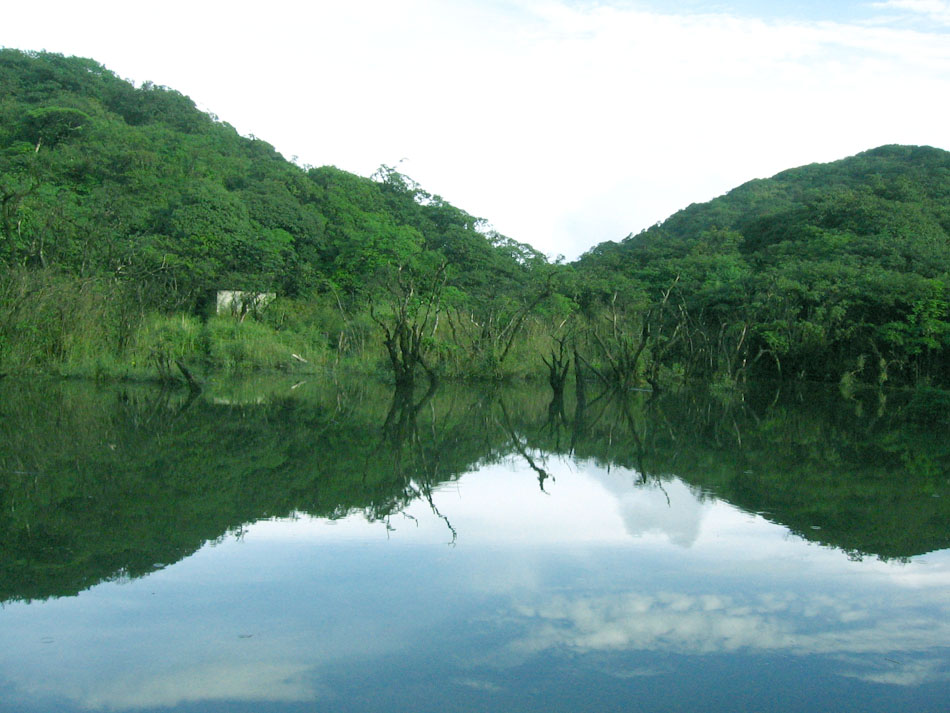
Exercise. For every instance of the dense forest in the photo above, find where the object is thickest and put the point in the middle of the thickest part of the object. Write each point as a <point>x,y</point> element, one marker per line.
<point>822,272</point>
<point>124,209</point>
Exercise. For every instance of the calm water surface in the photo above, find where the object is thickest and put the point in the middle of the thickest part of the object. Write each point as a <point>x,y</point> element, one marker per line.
<point>269,548</point>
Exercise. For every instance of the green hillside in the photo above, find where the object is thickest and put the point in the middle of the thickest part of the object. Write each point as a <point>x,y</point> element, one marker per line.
<point>138,198</point>
<point>820,272</point>
<point>101,177</point>
<point>125,209</point>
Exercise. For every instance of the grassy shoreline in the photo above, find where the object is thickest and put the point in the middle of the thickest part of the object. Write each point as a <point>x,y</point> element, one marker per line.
<point>57,324</point>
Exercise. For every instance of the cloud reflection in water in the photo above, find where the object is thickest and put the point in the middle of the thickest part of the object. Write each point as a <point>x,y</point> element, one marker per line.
<point>597,568</point>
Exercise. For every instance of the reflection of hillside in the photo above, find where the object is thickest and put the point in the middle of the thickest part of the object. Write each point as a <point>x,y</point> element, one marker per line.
<point>869,479</point>
<point>101,483</point>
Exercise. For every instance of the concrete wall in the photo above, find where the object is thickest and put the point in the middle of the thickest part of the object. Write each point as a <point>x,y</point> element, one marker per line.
<point>238,302</point>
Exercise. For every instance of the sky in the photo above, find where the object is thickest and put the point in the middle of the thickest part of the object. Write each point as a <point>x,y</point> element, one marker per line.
<point>602,575</point>
<point>563,123</point>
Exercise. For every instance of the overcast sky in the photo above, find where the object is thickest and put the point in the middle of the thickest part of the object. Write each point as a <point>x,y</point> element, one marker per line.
<point>562,122</point>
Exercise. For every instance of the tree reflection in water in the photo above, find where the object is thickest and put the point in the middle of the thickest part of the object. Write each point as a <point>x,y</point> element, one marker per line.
<point>99,483</point>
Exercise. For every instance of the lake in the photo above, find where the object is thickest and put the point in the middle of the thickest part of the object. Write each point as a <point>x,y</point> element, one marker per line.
<point>276,545</point>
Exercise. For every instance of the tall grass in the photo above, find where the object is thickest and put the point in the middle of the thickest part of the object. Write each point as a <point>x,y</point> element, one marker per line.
<point>235,345</point>
<point>52,322</point>
<point>161,339</point>
<point>61,324</point>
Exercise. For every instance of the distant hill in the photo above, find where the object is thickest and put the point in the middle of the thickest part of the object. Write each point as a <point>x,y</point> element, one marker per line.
<point>824,270</point>
<point>100,177</point>
<point>896,192</point>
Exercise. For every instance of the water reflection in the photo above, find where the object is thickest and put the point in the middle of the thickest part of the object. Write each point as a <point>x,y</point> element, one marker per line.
<point>337,549</point>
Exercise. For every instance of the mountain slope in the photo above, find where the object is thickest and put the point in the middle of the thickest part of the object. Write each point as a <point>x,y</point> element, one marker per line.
<point>98,177</point>
<point>822,270</point>
<point>834,271</point>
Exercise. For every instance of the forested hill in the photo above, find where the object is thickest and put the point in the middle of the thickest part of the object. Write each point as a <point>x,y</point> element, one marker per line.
<point>822,271</point>
<point>123,209</point>
<point>102,178</point>
<point>898,189</point>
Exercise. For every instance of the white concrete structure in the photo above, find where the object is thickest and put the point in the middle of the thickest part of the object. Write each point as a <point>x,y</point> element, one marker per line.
<point>239,303</point>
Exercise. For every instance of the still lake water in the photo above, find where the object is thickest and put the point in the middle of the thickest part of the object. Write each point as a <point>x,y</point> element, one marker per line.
<point>273,546</point>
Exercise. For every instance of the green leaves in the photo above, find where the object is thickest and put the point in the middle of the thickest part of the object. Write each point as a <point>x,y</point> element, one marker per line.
<point>52,125</point>
<point>825,263</point>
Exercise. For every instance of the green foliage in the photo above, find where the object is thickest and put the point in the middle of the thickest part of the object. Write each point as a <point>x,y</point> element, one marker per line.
<point>172,337</point>
<point>248,345</point>
<point>48,321</point>
<point>136,192</point>
<point>51,125</point>
<point>134,187</point>
<point>802,274</point>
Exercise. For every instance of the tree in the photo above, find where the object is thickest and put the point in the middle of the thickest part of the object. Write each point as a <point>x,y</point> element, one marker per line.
<point>415,303</point>
<point>19,179</point>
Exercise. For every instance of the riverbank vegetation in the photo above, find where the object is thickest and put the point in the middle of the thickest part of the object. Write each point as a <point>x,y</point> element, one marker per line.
<point>125,210</point>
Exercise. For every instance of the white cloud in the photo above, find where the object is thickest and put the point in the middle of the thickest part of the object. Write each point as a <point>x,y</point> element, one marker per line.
<point>797,624</point>
<point>936,10</point>
<point>900,673</point>
<point>257,681</point>
<point>670,508</point>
